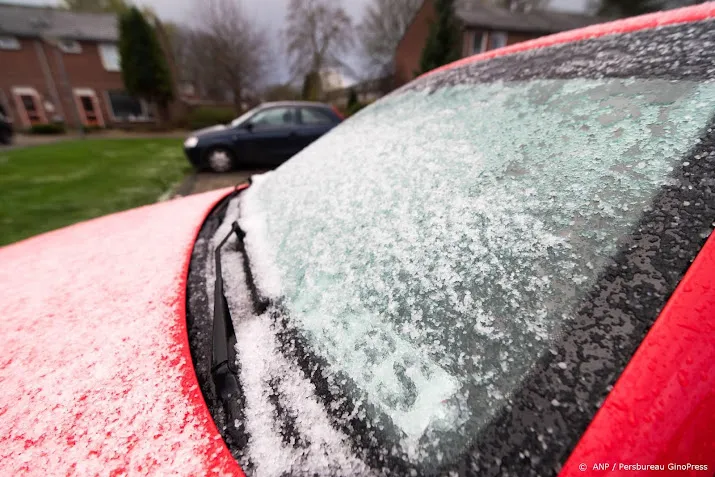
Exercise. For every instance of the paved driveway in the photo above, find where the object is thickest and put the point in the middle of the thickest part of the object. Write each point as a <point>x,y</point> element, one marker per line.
<point>25,140</point>
<point>206,181</point>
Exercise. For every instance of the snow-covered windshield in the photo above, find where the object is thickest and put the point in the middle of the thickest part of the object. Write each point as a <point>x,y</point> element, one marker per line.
<point>431,248</point>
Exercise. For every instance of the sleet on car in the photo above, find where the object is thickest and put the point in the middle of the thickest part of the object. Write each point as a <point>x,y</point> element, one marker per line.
<point>460,292</point>
<point>502,268</point>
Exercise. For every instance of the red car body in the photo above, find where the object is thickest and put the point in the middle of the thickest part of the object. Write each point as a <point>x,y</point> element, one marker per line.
<point>118,393</point>
<point>97,378</point>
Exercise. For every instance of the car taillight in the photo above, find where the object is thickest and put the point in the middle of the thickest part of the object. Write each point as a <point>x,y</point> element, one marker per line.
<point>338,113</point>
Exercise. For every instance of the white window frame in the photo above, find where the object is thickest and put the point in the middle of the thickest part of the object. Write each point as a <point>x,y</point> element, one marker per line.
<point>483,42</point>
<point>9,42</point>
<point>101,49</point>
<point>17,93</point>
<point>71,47</point>
<point>144,118</point>
<point>78,94</point>
<point>501,35</point>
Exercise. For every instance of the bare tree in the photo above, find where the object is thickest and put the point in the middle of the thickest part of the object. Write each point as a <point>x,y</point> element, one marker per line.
<point>194,64</point>
<point>381,29</point>
<point>318,35</point>
<point>227,51</point>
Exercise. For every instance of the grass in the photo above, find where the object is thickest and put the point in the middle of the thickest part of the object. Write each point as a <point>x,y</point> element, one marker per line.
<point>46,187</point>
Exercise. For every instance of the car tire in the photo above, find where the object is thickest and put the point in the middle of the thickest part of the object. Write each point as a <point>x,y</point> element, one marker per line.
<point>5,137</point>
<point>219,159</point>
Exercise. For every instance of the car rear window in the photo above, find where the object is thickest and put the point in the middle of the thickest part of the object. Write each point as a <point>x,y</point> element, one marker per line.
<point>314,116</point>
<point>435,263</point>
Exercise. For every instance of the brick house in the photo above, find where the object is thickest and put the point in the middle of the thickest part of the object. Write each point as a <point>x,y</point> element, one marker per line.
<point>61,66</point>
<point>483,28</point>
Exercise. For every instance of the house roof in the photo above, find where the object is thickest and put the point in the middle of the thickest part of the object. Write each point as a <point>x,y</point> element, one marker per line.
<point>19,20</point>
<point>544,21</point>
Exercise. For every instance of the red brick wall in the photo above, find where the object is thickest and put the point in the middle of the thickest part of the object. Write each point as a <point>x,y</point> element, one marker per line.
<point>85,71</point>
<point>467,42</point>
<point>514,37</point>
<point>409,50</point>
<point>21,68</point>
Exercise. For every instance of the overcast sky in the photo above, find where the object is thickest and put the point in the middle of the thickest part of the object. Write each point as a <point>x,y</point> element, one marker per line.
<point>270,13</point>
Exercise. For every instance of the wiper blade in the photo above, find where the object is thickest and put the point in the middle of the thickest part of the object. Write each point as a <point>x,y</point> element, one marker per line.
<point>224,337</point>
<point>224,365</point>
<point>224,359</point>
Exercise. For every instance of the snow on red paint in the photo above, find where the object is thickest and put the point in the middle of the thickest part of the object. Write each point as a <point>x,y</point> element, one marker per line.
<point>643,22</point>
<point>95,372</point>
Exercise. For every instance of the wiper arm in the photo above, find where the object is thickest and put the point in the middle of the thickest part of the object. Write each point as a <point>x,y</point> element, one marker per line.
<point>224,337</point>
<point>224,366</point>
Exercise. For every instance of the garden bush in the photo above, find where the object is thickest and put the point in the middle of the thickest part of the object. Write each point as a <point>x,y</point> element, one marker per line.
<point>204,117</point>
<point>53,128</point>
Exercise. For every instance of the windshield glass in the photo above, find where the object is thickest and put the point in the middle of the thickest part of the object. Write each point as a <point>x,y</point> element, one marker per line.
<point>242,118</point>
<point>431,265</point>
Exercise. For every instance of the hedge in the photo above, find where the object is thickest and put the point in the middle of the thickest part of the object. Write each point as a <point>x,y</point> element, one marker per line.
<point>204,117</point>
<point>54,128</point>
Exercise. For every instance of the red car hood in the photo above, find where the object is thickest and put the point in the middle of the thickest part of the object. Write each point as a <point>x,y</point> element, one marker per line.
<point>95,369</point>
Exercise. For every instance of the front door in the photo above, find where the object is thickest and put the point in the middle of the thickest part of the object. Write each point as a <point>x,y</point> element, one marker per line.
<point>90,113</point>
<point>31,106</point>
<point>89,108</point>
<point>28,103</point>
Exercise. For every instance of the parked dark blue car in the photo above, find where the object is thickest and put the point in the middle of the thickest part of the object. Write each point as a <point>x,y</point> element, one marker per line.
<point>267,136</point>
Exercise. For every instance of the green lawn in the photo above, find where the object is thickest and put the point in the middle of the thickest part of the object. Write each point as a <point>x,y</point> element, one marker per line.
<point>46,187</point>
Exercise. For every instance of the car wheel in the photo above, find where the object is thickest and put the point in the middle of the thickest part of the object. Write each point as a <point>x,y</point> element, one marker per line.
<point>220,160</point>
<point>5,137</point>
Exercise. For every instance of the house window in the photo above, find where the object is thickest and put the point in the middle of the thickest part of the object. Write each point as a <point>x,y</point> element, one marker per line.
<point>9,43</point>
<point>109,54</point>
<point>88,107</point>
<point>125,107</point>
<point>497,39</point>
<point>70,46</point>
<point>479,41</point>
<point>29,106</point>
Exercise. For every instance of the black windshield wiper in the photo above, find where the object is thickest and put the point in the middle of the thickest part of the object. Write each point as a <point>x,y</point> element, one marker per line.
<point>224,337</point>
<point>224,366</point>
